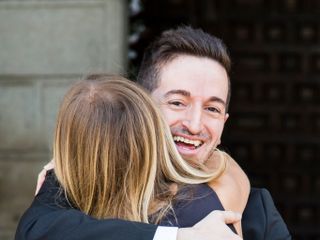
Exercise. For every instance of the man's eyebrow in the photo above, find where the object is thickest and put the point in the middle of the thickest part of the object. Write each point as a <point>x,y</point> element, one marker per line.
<point>178,91</point>
<point>188,94</point>
<point>217,99</point>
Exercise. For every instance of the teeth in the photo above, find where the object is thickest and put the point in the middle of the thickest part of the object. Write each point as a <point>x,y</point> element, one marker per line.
<point>188,141</point>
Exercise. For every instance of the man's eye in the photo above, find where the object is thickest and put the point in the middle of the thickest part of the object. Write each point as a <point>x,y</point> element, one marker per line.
<point>176,103</point>
<point>213,109</point>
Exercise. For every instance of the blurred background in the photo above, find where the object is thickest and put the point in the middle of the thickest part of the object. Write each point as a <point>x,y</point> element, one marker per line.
<point>274,126</point>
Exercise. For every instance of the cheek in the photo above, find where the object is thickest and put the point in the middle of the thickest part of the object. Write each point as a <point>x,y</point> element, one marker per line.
<point>215,128</point>
<point>170,116</point>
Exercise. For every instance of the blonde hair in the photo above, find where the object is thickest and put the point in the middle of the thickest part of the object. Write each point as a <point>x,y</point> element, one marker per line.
<point>114,153</point>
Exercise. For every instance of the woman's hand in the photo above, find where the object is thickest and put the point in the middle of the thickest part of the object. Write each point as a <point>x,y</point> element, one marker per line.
<point>42,175</point>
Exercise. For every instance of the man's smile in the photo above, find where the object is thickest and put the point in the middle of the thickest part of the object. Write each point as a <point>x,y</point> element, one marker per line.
<point>187,143</point>
<point>189,147</point>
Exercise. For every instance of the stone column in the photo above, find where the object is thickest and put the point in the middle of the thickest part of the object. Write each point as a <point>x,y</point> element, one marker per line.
<point>45,46</point>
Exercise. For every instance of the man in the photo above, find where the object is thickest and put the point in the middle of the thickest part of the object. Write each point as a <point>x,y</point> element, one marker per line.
<point>186,71</point>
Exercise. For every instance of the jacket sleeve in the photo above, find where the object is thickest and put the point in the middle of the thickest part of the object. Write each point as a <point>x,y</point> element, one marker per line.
<point>276,229</point>
<point>50,218</point>
<point>261,220</point>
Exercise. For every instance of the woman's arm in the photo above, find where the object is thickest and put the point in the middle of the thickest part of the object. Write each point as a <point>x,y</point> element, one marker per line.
<point>232,188</point>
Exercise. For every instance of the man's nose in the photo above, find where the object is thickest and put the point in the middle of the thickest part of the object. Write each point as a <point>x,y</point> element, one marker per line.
<point>193,120</point>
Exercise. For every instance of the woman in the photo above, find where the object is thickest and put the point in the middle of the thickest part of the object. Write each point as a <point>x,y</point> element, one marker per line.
<point>114,154</point>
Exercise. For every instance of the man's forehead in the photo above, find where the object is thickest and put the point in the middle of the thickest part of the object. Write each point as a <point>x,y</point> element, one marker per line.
<point>197,76</point>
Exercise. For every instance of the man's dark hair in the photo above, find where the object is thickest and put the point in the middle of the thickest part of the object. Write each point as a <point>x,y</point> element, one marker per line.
<point>175,42</point>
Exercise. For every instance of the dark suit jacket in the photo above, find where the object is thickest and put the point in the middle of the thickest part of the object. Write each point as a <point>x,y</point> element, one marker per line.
<point>261,219</point>
<point>51,218</point>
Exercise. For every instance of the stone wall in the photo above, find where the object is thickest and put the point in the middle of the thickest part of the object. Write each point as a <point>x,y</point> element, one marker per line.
<point>45,46</point>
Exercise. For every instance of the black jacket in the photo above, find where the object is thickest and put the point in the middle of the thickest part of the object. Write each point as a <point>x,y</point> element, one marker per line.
<point>261,219</point>
<point>52,217</point>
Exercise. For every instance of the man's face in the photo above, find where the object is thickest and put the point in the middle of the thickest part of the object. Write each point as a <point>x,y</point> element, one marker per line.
<point>192,95</point>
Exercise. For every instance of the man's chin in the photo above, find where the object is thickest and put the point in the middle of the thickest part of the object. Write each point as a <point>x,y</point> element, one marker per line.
<point>192,159</point>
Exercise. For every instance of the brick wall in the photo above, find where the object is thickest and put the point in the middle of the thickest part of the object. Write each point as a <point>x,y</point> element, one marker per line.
<point>44,47</point>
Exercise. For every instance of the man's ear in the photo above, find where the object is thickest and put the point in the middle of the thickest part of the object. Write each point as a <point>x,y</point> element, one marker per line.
<point>226,117</point>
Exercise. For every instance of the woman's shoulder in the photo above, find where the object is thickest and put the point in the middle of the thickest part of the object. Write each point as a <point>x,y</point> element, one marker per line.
<point>232,187</point>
